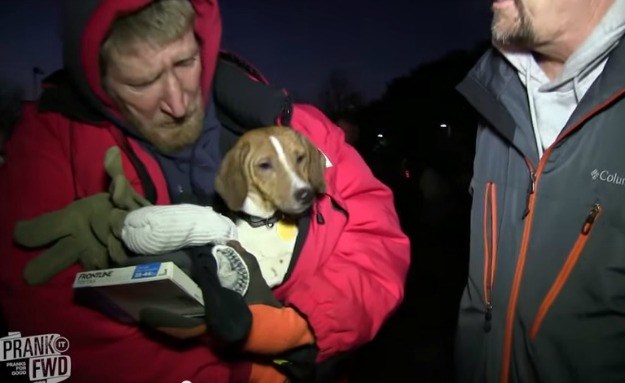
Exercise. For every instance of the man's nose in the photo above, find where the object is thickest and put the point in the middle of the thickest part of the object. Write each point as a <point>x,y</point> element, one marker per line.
<point>174,101</point>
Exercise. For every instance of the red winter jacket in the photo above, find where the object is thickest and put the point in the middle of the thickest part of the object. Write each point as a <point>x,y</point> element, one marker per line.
<point>348,279</point>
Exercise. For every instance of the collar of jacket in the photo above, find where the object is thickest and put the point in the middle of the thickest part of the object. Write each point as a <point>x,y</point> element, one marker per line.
<point>244,100</point>
<point>494,89</point>
<point>608,88</point>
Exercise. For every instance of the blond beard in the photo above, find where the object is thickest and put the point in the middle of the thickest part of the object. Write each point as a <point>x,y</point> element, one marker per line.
<point>171,135</point>
<point>520,35</point>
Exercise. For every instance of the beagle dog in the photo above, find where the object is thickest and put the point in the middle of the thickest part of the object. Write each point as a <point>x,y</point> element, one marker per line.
<point>269,177</point>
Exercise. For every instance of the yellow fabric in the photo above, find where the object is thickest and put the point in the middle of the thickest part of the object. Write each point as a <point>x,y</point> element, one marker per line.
<point>286,230</point>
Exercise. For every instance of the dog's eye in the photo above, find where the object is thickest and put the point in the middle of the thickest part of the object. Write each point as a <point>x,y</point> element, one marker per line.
<point>265,165</point>
<point>299,159</point>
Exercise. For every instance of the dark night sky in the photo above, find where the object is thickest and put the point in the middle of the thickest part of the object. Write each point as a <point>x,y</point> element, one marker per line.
<point>295,43</point>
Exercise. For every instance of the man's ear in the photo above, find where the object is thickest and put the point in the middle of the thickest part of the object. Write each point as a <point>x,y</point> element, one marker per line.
<point>231,180</point>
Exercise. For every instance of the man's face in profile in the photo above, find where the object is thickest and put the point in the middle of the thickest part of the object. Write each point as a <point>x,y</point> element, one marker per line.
<point>512,23</point>
<point>531,24</point>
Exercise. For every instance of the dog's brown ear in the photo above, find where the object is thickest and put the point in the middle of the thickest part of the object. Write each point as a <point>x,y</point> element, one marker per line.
<point>231,182</point>
<point>316,167</point>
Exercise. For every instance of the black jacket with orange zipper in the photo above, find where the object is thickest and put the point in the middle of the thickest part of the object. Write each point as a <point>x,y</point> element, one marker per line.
<point>545,296</point>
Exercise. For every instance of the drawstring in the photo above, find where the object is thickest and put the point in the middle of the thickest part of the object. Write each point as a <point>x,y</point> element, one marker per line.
<point>532,106</point>
<point>576,89</point>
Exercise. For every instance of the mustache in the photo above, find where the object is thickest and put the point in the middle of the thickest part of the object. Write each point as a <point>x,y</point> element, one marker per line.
<point>167,121</point>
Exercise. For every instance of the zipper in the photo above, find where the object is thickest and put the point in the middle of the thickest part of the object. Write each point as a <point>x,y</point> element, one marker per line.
<point>563,276</point>
<point>520,267</point>
<point>490,250</point>
<point>531,188</point>
<point>518,273</point>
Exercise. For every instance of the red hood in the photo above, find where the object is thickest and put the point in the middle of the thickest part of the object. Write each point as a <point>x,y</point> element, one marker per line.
<point>86,23</point>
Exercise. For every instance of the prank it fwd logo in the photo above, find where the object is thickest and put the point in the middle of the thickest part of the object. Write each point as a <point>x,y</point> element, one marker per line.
<point>39,357</point>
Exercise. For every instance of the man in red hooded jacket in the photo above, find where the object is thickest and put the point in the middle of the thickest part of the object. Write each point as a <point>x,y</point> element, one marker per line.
<point>146,76</point>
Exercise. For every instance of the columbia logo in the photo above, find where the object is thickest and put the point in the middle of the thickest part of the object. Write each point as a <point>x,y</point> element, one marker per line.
<point>607,176</point>
<point>595,174</point>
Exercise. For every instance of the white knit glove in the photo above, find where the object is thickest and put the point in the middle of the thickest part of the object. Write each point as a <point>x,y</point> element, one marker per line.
<point>153,230</point>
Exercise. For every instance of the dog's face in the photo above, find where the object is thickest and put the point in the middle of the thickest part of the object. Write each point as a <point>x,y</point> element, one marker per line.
<point>271,169</point>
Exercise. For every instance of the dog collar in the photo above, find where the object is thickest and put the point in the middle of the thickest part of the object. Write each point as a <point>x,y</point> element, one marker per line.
<point>255,221</point>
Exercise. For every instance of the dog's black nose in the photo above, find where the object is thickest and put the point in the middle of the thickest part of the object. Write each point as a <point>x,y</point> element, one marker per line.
<point>304,196</point>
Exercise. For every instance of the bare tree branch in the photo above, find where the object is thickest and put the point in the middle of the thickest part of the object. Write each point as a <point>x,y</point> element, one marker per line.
<point>339,96</point>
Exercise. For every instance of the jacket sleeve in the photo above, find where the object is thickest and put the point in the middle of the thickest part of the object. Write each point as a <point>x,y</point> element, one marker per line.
<point>358,280</point>
<point>38,177</point>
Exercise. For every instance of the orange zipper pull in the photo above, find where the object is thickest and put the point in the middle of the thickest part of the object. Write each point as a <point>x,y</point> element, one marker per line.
<point>590,219</point>
<point>488,317</point>
<point>530,191</point>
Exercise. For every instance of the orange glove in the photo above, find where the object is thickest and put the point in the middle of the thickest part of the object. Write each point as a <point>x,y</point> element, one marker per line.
<point>262,373</point>
<point>278,333</point>
<point>276,330</point>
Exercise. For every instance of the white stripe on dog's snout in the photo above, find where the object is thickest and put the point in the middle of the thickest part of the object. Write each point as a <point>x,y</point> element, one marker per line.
<point>296,181</point>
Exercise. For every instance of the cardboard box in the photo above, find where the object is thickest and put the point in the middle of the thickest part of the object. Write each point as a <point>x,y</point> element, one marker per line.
<point>122,292</point>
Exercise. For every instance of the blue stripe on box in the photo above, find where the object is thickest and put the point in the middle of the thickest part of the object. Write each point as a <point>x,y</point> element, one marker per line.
<point>146,270</point>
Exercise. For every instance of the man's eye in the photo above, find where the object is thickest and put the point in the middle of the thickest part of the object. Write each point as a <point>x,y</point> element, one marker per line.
<point>141,85</point>
<point>188,62</point>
